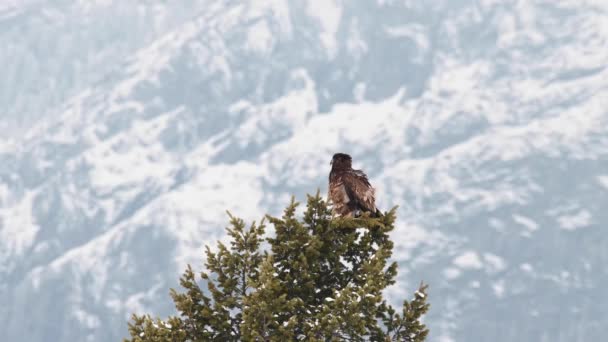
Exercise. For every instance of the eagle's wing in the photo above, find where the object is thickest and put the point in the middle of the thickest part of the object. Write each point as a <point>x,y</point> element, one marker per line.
<point>358,189</point>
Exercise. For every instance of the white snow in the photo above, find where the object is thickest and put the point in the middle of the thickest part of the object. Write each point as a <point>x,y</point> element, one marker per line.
<point>18,226</point>
<point>149,61</point>
<point>494,263</point>
<point>575,221</point>
<point>526,267</point>
<point>468,260</point>
<point>355,44</point>
<point>7,146</point>
<point>260,38</point>
<point>527,222</point>
<point>328,13</point>
<point>87,319</point>
<point>280,118</point>
<point>347,264</point>
<point>499,288</point>
<point>603,180</point>
<point>280,13</point>
<point>451,273</point>
<point>132,158</point>
<point>4,195</point>
<point>445,338</point>
<point>417,33</point>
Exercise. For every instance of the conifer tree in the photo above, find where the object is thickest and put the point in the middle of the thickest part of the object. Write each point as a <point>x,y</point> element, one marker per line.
<point>320,279</point>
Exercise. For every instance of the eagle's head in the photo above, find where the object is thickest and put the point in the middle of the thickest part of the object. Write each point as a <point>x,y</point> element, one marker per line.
<point>341,161</point>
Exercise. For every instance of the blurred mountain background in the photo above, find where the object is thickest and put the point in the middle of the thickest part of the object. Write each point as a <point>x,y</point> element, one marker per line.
<point>127,128</point>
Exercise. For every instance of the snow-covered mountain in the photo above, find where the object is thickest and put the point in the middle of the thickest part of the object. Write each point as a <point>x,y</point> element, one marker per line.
<point>485,121</point>
<point>54,49</point>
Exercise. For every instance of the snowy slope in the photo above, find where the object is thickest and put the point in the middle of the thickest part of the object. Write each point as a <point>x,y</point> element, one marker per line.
<point>484,121</point>
<point>53,49</point>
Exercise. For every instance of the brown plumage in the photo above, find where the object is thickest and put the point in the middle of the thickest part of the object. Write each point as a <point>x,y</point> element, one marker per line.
<point>349,190</point>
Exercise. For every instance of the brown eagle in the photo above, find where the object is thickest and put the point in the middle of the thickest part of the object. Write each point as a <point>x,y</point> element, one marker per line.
<point>349,190</point>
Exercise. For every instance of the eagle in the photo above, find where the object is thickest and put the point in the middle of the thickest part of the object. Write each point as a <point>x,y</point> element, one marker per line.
<point>349,190</point>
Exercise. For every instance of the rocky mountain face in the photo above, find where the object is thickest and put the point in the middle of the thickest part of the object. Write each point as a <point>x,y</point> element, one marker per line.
<point>485,121</point>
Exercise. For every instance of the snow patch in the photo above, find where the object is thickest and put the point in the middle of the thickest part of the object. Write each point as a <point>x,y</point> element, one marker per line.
<point>135,302</point>
<point>18,226</point>
<point>451,273</point>
<point>415,32</point>
<point>527,222</point>
<point>133,158</point>
<point>328,13</point>
<point>445,338</point>
<point>526,268</point>
<point>355,43</point>
<point>4,194</point>
<point>86,319</point>
<point>603,180</point>
<point>280,13</point>
<point>281,118</point>
<point>149,62</point>
<point>468,260</point>
<point>499,288</point>
<point>579,220</point>
<point>260,37</point>
<point>494,263</point>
